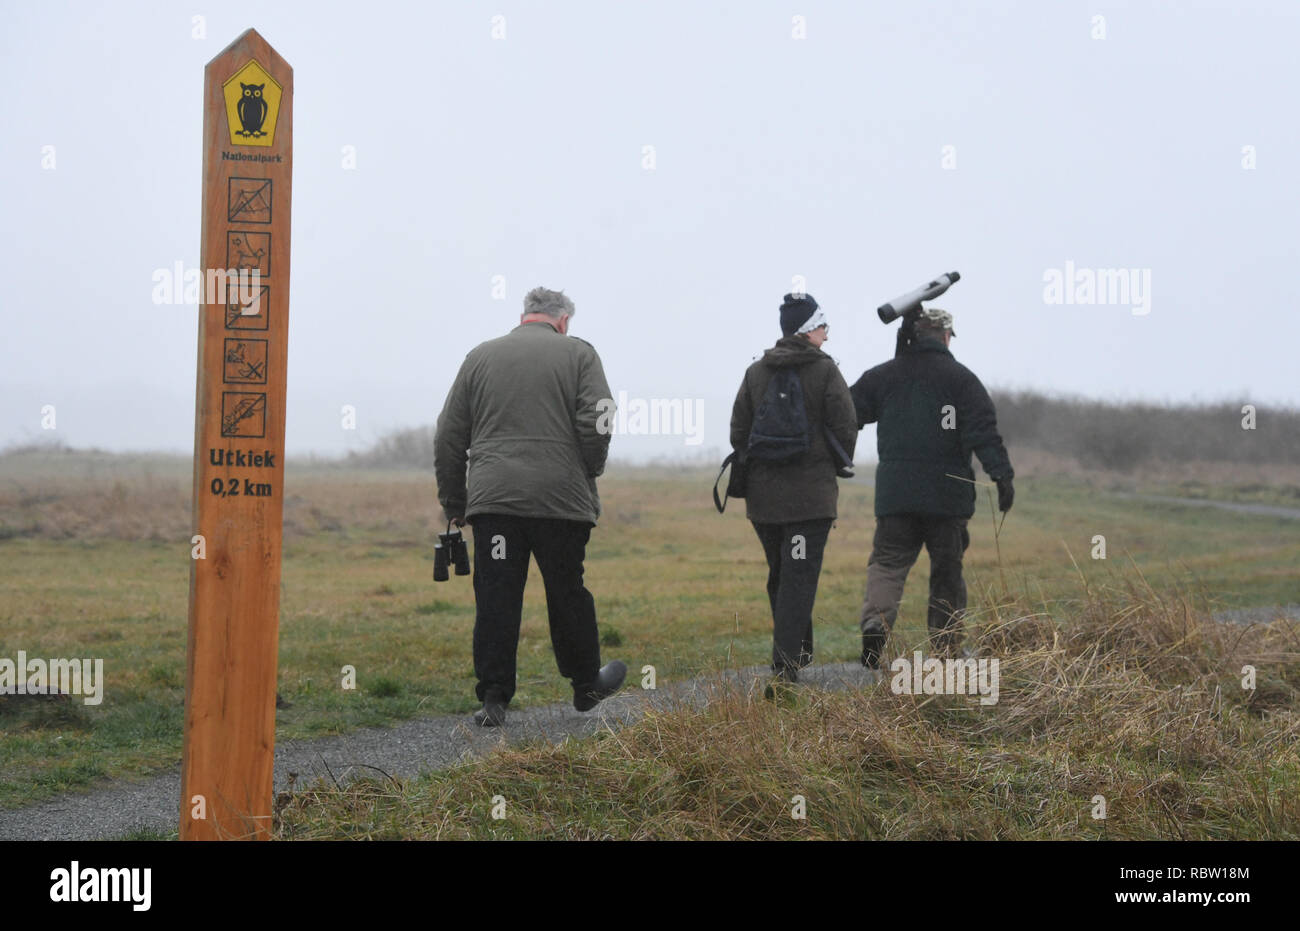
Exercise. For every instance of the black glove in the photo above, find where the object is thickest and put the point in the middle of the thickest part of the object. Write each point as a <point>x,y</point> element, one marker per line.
<point>1006,494</point>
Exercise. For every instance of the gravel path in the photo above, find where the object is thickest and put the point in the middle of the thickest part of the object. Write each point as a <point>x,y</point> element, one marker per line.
<point>404,751</point>
<point>1265,510</point>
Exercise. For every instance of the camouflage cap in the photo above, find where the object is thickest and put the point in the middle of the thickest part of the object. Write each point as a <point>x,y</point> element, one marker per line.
<point>939,319</point>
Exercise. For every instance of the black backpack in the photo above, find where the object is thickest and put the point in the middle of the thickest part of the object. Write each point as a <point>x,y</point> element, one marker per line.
<point>780,427</point>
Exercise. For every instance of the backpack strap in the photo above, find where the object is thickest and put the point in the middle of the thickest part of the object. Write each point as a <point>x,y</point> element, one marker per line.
<point>843,461</point>
<point>721,503</point>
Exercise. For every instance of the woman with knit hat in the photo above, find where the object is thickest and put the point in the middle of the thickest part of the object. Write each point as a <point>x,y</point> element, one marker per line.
<point>794,427</point>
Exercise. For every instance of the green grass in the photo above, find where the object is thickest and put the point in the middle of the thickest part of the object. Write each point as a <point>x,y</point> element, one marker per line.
<point>676,586</point>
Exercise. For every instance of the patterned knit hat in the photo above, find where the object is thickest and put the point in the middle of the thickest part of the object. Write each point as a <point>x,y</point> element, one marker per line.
<point>797,311</point>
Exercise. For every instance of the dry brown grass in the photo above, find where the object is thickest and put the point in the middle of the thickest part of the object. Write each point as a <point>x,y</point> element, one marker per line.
<point>1137,699</point>
<point>140,502</point>
<point>106,497</point>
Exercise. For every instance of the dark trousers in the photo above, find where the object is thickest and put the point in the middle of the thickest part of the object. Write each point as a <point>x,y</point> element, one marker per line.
<point>502,546</point>
<point>794,563</point>
<point>898,542</point>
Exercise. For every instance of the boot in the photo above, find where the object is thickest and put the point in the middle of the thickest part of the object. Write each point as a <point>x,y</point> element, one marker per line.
<point>608,681</point>
<point>493,712</point>
<point>873,642</point>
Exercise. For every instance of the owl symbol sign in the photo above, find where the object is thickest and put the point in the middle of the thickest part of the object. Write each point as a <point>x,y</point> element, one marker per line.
<point>252,110</point>
<point>252,103</point>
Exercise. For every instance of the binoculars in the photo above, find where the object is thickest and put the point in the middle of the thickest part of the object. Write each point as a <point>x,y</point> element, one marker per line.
<point>450,549</point>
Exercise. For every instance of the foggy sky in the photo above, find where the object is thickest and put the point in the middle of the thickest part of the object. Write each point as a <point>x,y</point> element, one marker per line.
<point>774,157</point>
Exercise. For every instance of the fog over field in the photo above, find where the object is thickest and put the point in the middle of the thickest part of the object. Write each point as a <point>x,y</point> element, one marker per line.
<point>1115,183</point>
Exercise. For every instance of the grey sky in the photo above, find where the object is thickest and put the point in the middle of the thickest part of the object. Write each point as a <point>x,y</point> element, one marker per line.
<point>774,157</point>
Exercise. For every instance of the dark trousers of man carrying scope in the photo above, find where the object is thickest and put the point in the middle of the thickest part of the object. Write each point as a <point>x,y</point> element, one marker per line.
<point>897,544</point>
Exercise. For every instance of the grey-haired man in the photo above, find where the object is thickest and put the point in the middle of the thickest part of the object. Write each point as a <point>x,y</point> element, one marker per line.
<point>524,417</point>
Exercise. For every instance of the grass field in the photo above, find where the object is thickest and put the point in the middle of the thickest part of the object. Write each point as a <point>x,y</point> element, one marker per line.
<point>95,558</point>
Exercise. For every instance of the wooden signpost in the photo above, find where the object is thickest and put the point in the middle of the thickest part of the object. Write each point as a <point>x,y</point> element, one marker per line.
<point>230,684</point>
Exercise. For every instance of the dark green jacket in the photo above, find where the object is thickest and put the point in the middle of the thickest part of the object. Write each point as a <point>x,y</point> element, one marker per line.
<point>932,413</point>
<point>525,429</point>
<point>804,488</point>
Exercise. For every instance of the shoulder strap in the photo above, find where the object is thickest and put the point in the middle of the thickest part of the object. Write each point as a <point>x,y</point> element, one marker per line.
<point>721,502</point>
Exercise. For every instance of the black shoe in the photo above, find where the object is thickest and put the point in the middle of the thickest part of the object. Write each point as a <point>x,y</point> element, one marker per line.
<point>608,681</point>
<point>492,714</point>
<point>873,644</point>
<point>779,686</point>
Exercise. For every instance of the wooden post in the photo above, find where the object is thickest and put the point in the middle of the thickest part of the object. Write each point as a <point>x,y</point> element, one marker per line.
<point>230,682</point>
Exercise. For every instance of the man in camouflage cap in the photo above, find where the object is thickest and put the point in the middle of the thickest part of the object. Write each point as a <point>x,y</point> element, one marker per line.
<point>932,413</point>
<point>937,319</point>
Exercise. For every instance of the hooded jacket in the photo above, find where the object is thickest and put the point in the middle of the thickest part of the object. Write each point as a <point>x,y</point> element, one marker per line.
<point>525,428</point>
<point>932,412</point>
<point>803,488</point>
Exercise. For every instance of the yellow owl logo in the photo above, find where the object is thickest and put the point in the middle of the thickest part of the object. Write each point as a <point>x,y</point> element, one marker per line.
<point>252,105</point>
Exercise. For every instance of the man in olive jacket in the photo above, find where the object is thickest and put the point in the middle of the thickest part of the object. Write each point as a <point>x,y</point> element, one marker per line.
<point>932,412</point>
<point>792,503</point>
<point>524,418</point>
